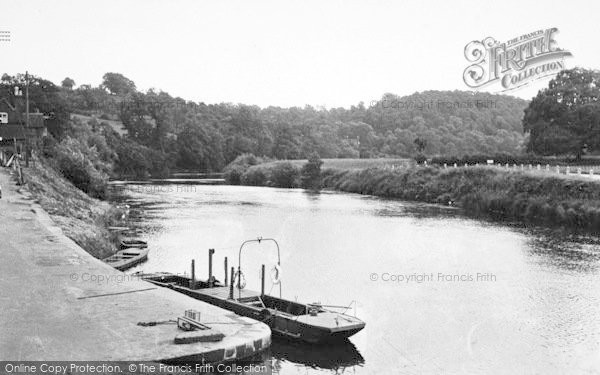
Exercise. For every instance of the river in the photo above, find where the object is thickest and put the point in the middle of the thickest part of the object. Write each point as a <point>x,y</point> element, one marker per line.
<point>440,292</point>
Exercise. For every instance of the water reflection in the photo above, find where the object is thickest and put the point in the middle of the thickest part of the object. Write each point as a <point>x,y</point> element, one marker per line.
<point>338,357</point>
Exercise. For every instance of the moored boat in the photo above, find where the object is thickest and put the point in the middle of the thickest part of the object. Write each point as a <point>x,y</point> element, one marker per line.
<point>127,258</point>
<point>312,323</point>
<point>131,242</point>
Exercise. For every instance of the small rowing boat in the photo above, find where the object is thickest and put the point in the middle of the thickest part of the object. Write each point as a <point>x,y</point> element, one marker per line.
<point>127,258</point>
<point>129,243</point>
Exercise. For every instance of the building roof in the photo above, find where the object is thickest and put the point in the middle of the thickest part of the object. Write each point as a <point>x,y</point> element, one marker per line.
<point>10,131</point>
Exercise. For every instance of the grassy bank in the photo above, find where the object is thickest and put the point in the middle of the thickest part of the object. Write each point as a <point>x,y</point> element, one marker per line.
<point>525,196</point>
<point>83,219</point>
<point>497,193</point>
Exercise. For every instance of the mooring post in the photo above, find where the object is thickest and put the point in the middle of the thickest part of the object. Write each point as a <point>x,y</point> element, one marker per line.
<point>193,280</point>
<point>262,281</point>
<point>225,271</point>
<point>210,275</point>
<point>231,283</point>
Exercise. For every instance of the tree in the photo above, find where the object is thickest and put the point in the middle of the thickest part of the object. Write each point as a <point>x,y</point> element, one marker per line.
<point>420,144</point>
<point>199,147</point>
<point>564,118</point>
<point>117,84</point>
<point>68,83</point>
<point>310,175</point>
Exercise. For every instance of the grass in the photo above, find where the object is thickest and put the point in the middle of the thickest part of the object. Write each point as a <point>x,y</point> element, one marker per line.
<point>355,163</point>
<point>83,219</point>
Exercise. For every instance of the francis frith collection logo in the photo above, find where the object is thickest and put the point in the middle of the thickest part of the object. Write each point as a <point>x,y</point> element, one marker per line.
<point>514,63</point>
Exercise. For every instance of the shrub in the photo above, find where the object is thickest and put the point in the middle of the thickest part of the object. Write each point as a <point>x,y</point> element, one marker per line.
<point>255,176</point>
<point>82,166</point>
<point>233,174</point>
<point>234,171</point>
<point>285,175</point>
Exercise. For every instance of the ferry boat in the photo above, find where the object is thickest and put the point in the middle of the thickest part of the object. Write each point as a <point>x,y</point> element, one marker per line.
<point>309,322</point>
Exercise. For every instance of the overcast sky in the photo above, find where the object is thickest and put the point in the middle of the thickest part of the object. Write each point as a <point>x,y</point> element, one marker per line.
<point>329,53</point>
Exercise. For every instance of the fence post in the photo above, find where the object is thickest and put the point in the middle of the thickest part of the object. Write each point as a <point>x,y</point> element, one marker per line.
<point>193,279</point>
<point>262,281</point>
<point>231,283</point>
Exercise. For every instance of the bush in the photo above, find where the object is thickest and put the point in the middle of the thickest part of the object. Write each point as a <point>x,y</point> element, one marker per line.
<point>420,159</point>
<point>256,175</point>
<point>82,166</point>
<point>234,171</point>
<point>285,175</point>
<point>233,174</point>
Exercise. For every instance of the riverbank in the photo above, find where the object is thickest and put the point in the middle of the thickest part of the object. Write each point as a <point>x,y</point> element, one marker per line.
<point>60,303</point>
<point>500,194</point>
<point>497,193</point>
<point>83,219</point>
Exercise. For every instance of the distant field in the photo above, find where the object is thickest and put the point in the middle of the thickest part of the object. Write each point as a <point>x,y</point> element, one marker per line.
<point>356,163</point>
<point>116,125</point>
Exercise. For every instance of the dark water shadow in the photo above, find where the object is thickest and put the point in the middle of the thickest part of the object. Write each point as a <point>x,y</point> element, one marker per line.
<point>337,357</point>
<point>563,249</point>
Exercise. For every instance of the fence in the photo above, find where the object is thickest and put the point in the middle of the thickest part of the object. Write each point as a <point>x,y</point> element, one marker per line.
<point>581,170</point>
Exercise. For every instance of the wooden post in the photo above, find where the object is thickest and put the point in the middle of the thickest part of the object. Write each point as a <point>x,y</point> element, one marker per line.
<point>210,274</point>
<point>262,280</point>
<point>193,280</point>
<point>225,271</point>
<point>231,283</point>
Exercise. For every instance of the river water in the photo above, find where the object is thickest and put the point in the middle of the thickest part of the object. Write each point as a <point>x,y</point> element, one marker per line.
<point>440,293</point>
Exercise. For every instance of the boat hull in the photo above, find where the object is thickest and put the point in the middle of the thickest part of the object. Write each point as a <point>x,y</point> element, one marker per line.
<point>307,328</point>
<point>127,244</point>
<point>122,263</point>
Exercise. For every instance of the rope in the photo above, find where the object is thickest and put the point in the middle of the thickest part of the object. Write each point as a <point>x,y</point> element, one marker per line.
<point>114,294</point>
<point>152,324</point>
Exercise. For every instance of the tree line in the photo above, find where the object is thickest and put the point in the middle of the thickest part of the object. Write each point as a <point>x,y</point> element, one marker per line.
<point>165,133</point>
<point>199,136</point>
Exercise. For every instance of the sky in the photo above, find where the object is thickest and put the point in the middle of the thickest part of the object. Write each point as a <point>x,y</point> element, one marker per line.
<point>282,53</point>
